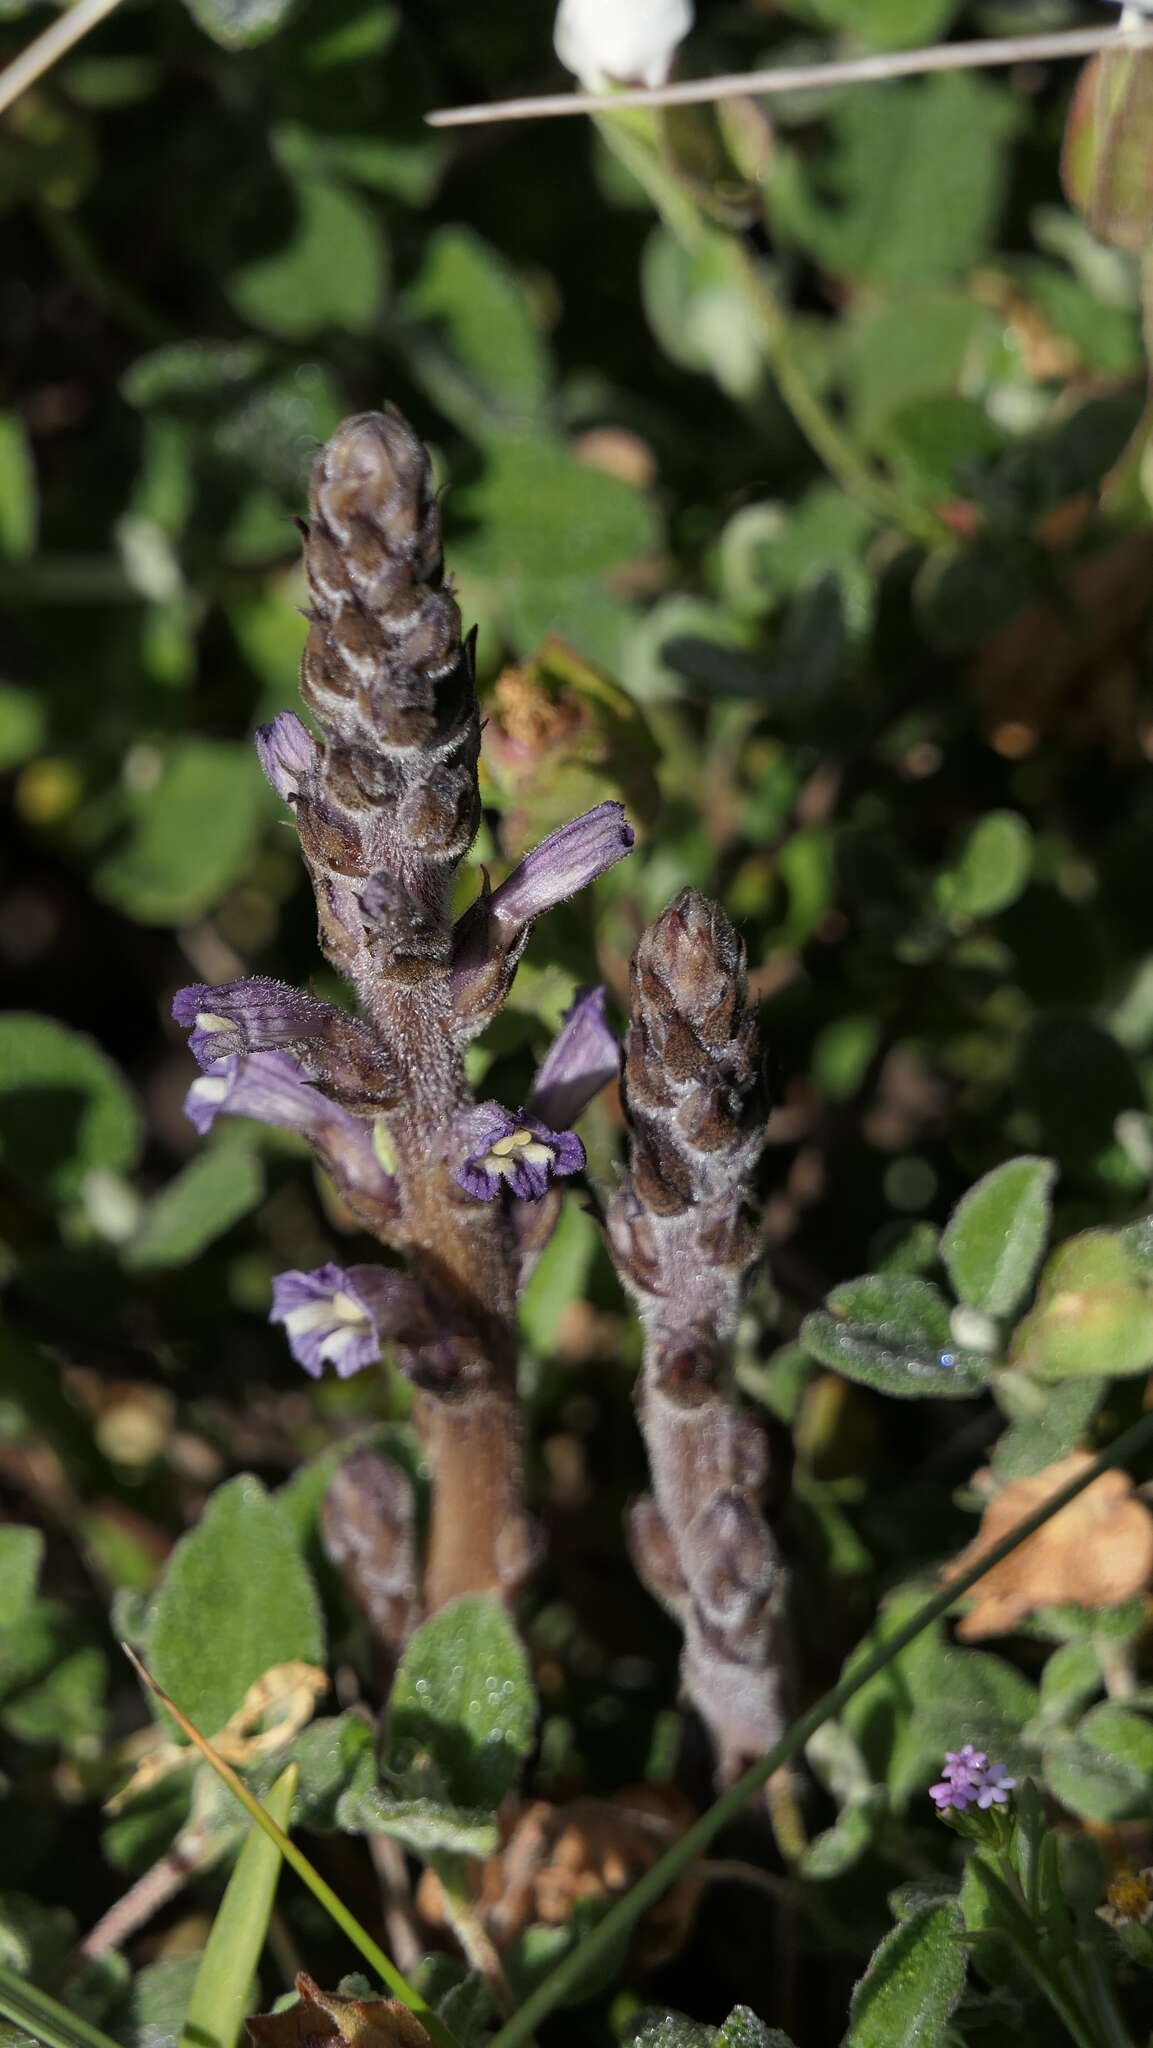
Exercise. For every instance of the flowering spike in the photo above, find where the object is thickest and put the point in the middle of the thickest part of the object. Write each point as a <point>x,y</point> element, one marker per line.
<point>582,1058</point>
<point>517,1151</point>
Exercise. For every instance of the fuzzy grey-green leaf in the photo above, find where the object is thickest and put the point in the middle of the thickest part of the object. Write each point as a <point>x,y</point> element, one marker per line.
<point>912,1983</point>
<point>463,1697</point>
<point>891,1331</point>
<point>994,1238</point>
<point>236,1598</point>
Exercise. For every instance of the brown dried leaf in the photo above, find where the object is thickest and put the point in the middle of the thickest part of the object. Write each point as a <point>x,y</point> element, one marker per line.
<point>1096,1552</point>
<point>588,1848</point>
<point>320,2019</point>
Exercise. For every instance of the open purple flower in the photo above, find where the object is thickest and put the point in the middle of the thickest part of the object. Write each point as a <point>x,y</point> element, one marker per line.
<point>582,1057</point>
<point>340,1315</point>
<point>514,1151</point>
<point>563,863</point>
<point>287,753</point>
<point>969,1779</point>
<point>255,1015</point>
<point>269,1087</point>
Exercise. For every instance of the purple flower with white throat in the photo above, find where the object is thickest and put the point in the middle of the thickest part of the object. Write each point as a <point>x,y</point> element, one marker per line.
<point>287,753</point>
<point>969,1779</point>
<point>269,1087</point>
<point>514,1151</point>
<point>255,1015</point>
<point>327,1318</point>
<point>563,863</point>
<point>582,1058</point>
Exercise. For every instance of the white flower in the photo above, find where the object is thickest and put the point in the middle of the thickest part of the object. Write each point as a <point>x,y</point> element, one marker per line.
<point>621,42</point>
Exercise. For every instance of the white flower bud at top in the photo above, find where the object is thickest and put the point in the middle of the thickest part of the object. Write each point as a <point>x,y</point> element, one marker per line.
<point>620,42</point>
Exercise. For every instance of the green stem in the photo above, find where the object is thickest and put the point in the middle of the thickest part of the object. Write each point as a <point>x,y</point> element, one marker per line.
<point>618,1921</point>
<point>821,429</point>
<point>630,137</point>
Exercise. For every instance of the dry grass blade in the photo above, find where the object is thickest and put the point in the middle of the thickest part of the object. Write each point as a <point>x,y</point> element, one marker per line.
<point>991,51</point>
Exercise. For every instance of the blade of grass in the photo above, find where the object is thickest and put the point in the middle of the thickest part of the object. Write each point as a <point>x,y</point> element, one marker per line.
<point>349,1925</point>
<point>44,2018</point>
<point>216,2008</point>
<point>621,1917</point>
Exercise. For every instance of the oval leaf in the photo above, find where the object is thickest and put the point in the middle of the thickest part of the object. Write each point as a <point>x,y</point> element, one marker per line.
<point>891,1331</point>
<point>464,1698</point>
<point>996,1234</point>
<point>912,1983</point>
<point>235,1599</point>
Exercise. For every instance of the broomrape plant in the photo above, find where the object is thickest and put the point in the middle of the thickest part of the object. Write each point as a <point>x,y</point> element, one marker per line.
<point>386,805</point>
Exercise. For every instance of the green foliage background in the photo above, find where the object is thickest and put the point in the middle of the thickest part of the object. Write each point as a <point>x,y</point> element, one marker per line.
<point>838,505</point>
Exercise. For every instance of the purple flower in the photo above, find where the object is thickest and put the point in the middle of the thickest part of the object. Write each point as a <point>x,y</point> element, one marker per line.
<point>265,1085</point>
<point>519,1151</point>
<point>329,1318</point>
<point>562,864</point>
<point>582,1057</point>
<point>969,1779</point>
<point>256,1015</point>
<point>287,753</point>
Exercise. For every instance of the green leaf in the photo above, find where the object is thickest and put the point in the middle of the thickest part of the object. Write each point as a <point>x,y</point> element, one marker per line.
<point>479,353</point>
<point>912,1983</point>
<point>210,1194</point>
<point>23,725</point>
<point>996,1234</point>
<point>1046,1422</point>
<point>543,533</point>
<point>235,1600</point>
<point>18,507</point>
<point>916,184</point>
<point>21,1552</point>
<point>65,1109</point>
<point>1105,1770</point>
<point>463,1696</point>
<point>425,1826</point>
<point>668,2030</point>
<point>333,273</point>
<point>239,23</point>
<point>1071,1678</point>
<point>220,1999</point>
<point>164,866</point>
<point>44,2019</point>
<point>743,2029</point>
<point>334,1755</point>
<point>1091,1316</point>
<point>991,871</point>
<point>889,24</point>
<point>1077,1080</point>
<point>153,2013</point>
<point>701,310</point>
<point>891,1331</point>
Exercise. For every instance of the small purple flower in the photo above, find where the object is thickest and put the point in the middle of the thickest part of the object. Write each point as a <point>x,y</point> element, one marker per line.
<point>582,1057</point>
<point>518,1151</point>
<point>256,1015</point>
<point>328,1318</point>
<point>969,1779</point>
<point>265,1085</point>
<point>562,864</point>
<point>287,753</point>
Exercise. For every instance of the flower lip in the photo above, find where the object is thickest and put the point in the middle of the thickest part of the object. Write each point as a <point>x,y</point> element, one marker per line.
<point>516,1151</point>
<point>255,1014</point>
